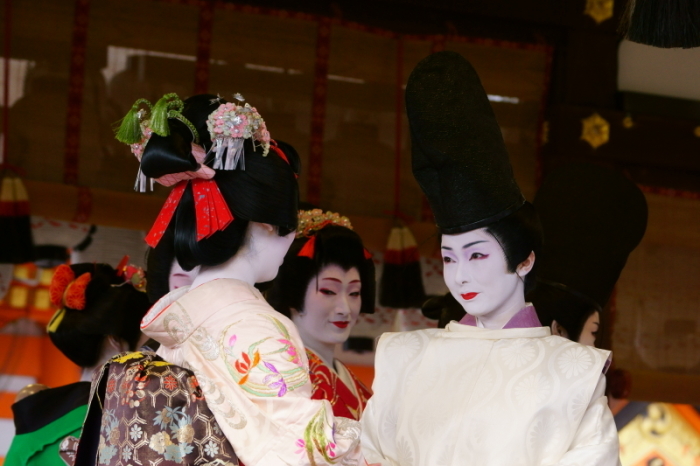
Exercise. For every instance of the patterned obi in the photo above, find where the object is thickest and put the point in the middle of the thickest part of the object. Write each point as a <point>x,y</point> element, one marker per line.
<point>146,411</point>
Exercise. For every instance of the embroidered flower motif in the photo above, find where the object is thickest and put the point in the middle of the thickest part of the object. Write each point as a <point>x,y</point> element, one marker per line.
<point>114,436</point>
<point>177,452</point>
<point>245,365</point>
<point>217,429</point>
<point>574,361</point>
<point>330,449</point>
<point>135,432</point>
<point>211,449</point>
<point>170,383</point>
<point>516,355</point>
<point>106,453</point>
<point>291,350</point>
<point>159,442</point>
<point>275,380</point>
<point>301,446</point>
<point>184,431</point>
<point>126,453</point>
<point>532,390</point>
<point>166,416</point>
<point>111,385</point>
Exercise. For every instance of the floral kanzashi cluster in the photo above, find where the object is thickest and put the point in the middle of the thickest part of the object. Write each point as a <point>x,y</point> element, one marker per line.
<point>311,221</point>
<point>137,148</point>
<point>229,126</point>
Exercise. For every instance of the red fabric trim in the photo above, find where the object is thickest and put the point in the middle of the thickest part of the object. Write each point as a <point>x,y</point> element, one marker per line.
<point>204,35</point>
<point>318,110</point>
<point>165,215</point>
<point>401,257</point>
<point>75,91</point>
<point>368,255</point>
<point>14,208</point>
<point>308,249</point>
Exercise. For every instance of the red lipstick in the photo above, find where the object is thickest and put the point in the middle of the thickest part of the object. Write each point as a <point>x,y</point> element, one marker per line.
<point>469,296</point>
<point>341,324</point>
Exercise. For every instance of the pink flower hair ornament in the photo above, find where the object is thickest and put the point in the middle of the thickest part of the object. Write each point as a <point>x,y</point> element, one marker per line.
<point>229,126</point>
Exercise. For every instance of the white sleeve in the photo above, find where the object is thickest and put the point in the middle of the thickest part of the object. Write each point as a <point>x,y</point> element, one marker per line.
<point>378,419</point>
<point>596,441</point>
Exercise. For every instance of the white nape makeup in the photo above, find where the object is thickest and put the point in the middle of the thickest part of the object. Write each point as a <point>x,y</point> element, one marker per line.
<point>331,307</point>
<point>179,277</point>
<point>476,273</point>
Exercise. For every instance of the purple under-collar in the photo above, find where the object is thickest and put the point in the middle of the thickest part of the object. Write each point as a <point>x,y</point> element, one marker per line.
<point>524,318</point>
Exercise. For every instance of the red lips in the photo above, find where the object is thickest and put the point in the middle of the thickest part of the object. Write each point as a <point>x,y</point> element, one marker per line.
<point>469,296</point>
<point>341,324</point>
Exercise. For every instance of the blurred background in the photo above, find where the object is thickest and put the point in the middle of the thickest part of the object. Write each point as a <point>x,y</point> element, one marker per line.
<point>328,77</point>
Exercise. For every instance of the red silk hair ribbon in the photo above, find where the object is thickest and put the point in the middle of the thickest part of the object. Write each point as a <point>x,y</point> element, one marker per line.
<point>308,249</point>
<point>212,212</point>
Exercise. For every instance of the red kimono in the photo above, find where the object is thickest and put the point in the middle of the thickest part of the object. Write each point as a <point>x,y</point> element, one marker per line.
<point>347,394</point>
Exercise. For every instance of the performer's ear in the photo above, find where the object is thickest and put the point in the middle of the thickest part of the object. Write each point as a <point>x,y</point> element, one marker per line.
<point>525,266</point>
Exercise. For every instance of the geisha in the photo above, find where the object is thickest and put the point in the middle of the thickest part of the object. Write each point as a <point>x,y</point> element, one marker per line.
<point>233,213</point>
<point>495,388</point>
<point>325,282</point>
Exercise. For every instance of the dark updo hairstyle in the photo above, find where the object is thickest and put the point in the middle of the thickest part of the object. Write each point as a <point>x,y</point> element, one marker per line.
<point>570,311</point>
<point>266,191</point>
<point>335,245</point>
<point>112,308</point>
<point>519,234</point>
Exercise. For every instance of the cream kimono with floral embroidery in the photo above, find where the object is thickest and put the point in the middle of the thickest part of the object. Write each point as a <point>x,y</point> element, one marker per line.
<point>254,373</point>
<point>472,396</point>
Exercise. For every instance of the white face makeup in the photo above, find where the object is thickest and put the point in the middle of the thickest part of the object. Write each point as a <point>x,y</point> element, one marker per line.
<point>590,330</point>
<point>179,277</point>
<point>476,273</point>
<point>331,307</point>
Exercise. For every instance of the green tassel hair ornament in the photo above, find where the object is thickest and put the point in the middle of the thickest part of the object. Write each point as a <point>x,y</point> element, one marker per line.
<point>170,106</point>
<point>128,129</point>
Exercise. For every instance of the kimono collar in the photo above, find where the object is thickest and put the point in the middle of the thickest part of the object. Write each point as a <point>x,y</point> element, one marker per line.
<point>524,318</point>
<point>198,304</point>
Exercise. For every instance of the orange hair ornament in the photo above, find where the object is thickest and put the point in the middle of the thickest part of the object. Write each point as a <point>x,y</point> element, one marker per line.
<point>67,291</point>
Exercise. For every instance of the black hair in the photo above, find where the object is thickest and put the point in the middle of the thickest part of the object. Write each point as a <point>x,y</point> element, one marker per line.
<point>159,262</point>
<point>266,191</point>
<point>519,234</point>
<point>334,245</point>
<point>569,310</point>
<point>444,309</point>
<point>112,308</point>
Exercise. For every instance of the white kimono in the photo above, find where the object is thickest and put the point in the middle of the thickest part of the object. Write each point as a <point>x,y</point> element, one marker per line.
<point>254,373</point>
<point>472,396</point>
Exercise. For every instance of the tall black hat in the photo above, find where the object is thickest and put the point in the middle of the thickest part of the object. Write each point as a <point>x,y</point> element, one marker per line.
<point>592,218</point>
<point>459,157</point>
